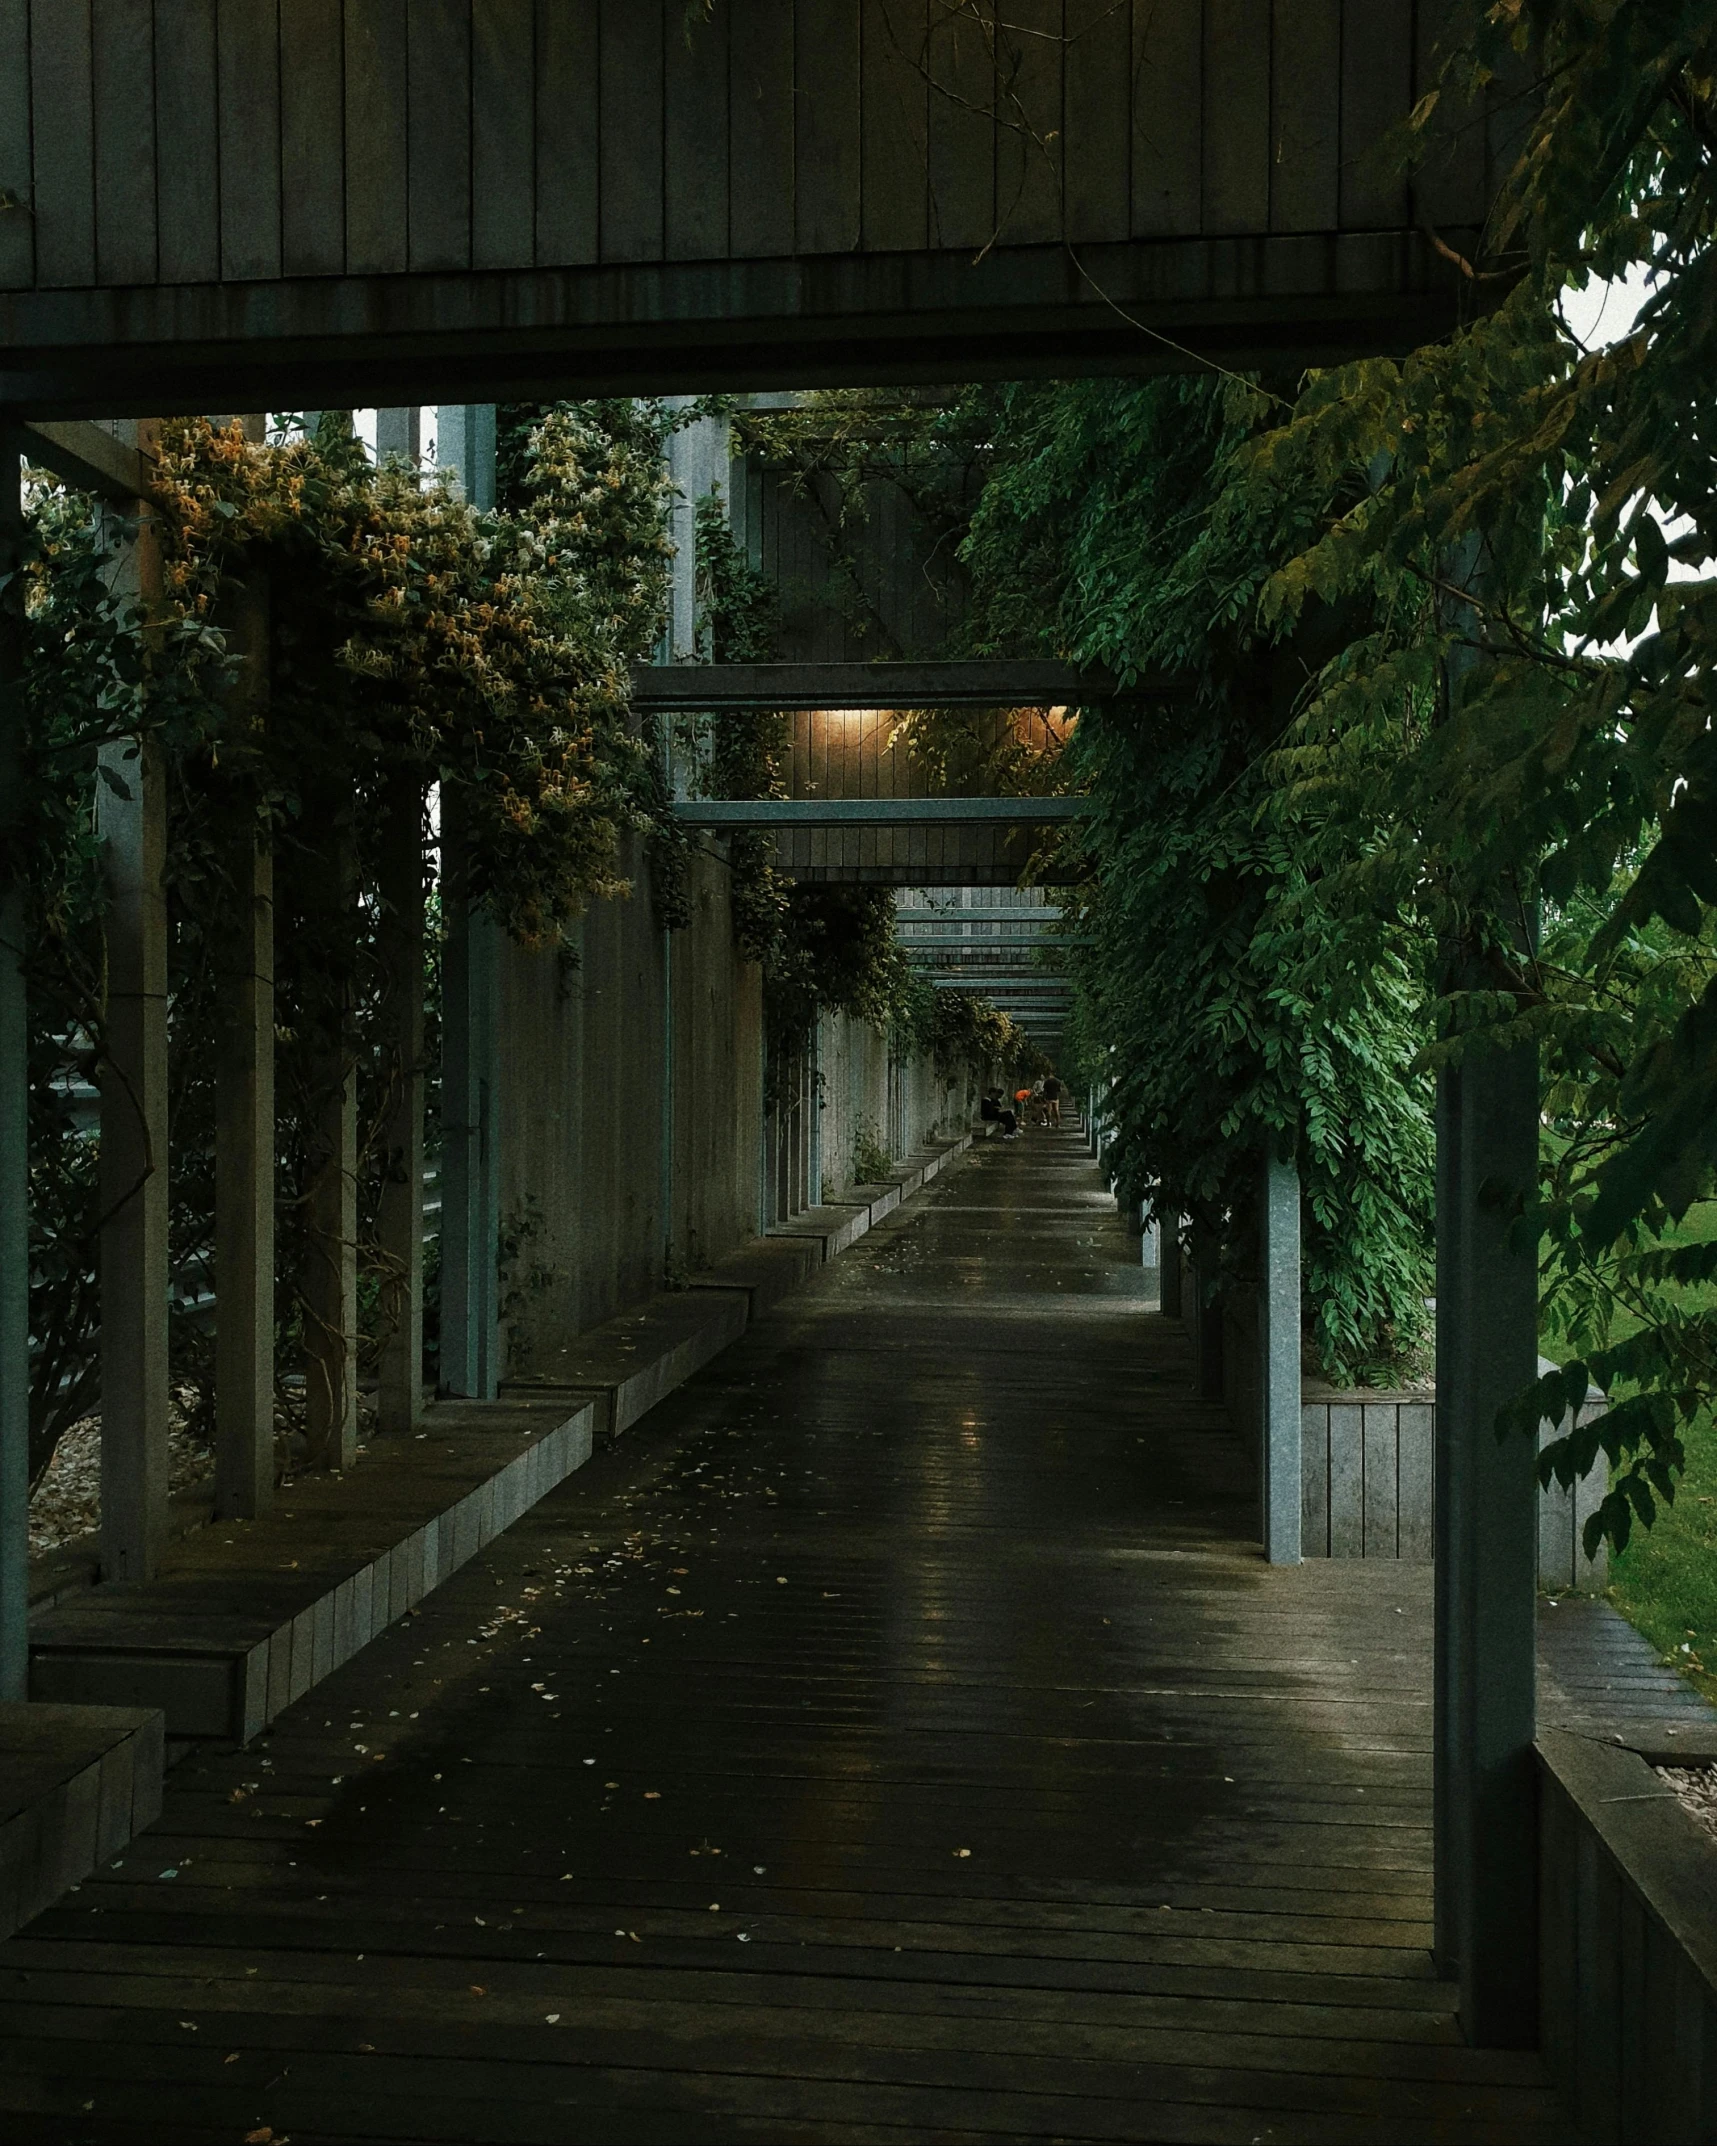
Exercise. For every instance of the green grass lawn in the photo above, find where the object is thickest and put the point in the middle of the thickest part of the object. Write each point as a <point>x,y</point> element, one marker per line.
<point>1665,1581</point>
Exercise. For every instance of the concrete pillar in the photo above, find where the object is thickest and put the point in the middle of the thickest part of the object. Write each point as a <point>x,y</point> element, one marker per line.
<point>470,1189</point>
<point>244,1198</point>
<point>330,1282</point>
<point>816,1108</point>
<point>1279,1349</point>
<point>1486,1550</point>
<point>666,1112</point>
<point>465,441</point>
<point>1169,1269</point>
<point>131,812</point>
<point>1206,1312</point>
<point>399,433</point>
<point>14,1138</point>
<point>399,1399</point>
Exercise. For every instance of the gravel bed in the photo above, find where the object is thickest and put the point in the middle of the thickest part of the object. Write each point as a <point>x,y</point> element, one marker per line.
<point>66,1503</point>
<point>1696,1786</point>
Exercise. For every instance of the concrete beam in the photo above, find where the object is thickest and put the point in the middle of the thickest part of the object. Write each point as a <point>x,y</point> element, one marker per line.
<point>720,812</point>
<point>90,458</point>
<point>781,688</point>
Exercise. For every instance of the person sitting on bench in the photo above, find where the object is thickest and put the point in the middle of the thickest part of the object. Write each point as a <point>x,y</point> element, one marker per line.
<point>991,1111</point>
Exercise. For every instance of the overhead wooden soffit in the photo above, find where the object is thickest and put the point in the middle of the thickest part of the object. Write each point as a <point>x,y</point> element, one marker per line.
<point>876,811</point>
<point>789,687</point>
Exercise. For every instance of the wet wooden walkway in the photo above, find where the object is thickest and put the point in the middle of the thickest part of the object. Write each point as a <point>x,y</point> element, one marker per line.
<point>897,1737</point>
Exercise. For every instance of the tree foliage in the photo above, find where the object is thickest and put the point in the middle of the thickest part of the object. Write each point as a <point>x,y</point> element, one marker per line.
<point>1217,998</point>
<point>1533,523</point>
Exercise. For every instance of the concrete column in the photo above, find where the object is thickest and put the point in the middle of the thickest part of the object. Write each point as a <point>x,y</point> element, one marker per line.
<point>1169,1269</point>
<point>816,1109</point>
<point>244,1199</point>
<point>666,1110</point>
<point>470,1220</point>
<point>1279,1348</point>
<point>399,433</point>
<point>330,1286</point>
<point>399,1400</point>
<point>1486,1549</point>
<point>465,441</point>
<point>14,1136</point>
<point>1207,1313</point>
<point>131,811</point>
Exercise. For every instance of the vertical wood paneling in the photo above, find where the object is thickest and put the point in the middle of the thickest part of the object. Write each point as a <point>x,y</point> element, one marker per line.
<point>761,126</point>
<point>438,148</point>
<point>695,144</point>
<point>187,143</point>
<point>1314,1481</point>
<point>1376,95</point>
<point>961,126</point>
<point>1168,118</point>
<point>62,189</point>
<point>377,151</point>
<point>503,183</point>
<point>1236,115</point>
<point>826,153</point>
<point>1305,114</point>
<point>895,177</point>
<point>1031,134</point>
<point>1380,1479</point>
<point>1099,122</point>
<point>631,130</point>
<point>248,71</point>
<point>566,124</point>
<point>1415,1530</point>
<point>124,99</point>
<point>17,248</point>
<point>1346,1481</point>
<point>313,139</point>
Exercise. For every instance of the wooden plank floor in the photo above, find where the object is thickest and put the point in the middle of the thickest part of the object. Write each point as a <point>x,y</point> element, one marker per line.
<point>896,1737</point>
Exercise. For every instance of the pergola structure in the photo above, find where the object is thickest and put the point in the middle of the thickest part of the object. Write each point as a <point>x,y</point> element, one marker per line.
<point>290,204</point>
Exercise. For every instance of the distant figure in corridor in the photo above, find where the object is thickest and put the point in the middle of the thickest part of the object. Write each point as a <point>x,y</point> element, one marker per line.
<point>992,1111</point>
<point>1052,1100</point>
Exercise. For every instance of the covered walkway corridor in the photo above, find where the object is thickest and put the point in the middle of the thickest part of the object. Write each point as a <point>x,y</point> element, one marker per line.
<point>897,1735</point>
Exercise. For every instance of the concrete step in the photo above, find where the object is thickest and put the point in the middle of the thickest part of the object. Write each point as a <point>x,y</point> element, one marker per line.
<point>767,1269</point>
<point>76,1782</point>
<point>624,1367</point>
<point>246,1616</point>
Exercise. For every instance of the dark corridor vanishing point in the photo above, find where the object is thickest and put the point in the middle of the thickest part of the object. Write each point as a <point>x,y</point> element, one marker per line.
<point>896,1737</point>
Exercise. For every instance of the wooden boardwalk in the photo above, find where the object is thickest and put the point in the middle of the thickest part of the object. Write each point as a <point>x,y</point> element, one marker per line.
<point>897,1737</point>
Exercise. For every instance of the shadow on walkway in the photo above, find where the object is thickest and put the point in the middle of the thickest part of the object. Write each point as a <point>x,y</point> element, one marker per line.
<point>898,1736</point>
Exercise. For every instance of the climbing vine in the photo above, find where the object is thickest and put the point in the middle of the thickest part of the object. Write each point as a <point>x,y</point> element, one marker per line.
<point>327,639</point>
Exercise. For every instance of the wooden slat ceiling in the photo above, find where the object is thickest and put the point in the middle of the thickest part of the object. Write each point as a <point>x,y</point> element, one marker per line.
<point>279,203</point>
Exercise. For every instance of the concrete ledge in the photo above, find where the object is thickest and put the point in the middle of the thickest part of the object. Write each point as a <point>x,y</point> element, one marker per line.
<point>629,1364</point>
<point>833,1227</point>
<point>76,1782</point>
<point>838,1224</point>
<point>767,1269</point>
<point>881,1195</point>
<point>1628,1945</point>
<point>247,1616</point>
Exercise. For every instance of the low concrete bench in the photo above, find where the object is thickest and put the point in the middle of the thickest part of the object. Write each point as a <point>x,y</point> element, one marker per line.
<point>625,1366</point>
<point>76,1783</point>
<point>247,1615</point>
